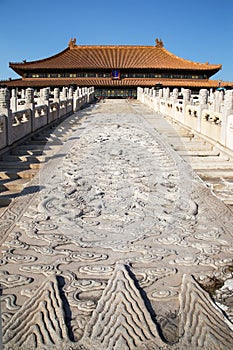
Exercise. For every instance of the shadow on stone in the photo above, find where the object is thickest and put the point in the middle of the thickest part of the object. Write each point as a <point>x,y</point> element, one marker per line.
<point>147,303</point>
<point>66,307</point>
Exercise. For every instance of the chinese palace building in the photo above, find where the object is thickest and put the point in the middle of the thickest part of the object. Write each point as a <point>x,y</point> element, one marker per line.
<point>115,71</point>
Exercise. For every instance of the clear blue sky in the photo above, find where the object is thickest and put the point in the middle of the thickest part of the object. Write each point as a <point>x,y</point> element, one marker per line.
<point>198,30</point>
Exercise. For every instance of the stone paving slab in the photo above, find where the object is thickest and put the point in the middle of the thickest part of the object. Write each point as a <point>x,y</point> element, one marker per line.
<point>117,244</point>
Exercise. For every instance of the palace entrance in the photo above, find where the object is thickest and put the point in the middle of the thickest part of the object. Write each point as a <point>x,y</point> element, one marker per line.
<point>116,93</point>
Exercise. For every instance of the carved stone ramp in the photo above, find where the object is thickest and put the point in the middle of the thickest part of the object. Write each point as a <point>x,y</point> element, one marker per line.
<point>95,249</point>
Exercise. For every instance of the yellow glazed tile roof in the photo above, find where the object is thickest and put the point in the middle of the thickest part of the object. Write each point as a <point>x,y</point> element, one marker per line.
<point>110,57</point>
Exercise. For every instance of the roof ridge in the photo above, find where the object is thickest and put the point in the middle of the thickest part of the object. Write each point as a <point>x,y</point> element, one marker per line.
<point>113,46</point>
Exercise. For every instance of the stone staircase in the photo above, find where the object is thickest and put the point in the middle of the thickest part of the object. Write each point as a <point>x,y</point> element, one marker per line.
<point>212,162</point>
<point>19,165</point>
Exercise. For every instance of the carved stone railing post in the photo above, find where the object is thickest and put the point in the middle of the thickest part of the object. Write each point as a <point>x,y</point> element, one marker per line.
<point>45,96</point>
<point>175,95</point>
<point>76,100</point>
<point>211,100</point>
<point>160,93</point>
<point>5,110</point>
<point>63,95</point>
<point>203,100</point>
<point>70,92</point>
<point>14,101</point>
<point>4,101</point>
<point>56,95</point>
<point>166,93</point>
<point>186,96</point>
<point>22,93</point>
<point>174,98</point>
<point>29,98</point>
<point>30,104</point>
<point>186,101</point>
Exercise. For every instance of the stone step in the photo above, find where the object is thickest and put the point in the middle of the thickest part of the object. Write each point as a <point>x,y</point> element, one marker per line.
<point>186,138</point>
<point>206,159</point>
<point>167,132</point>
<point>199,153</point>
<point>209,175</point>
<point>27,149</point>
<point>14,174</point>
<point>192,147</point>
<point>217,165</point>
<point>26,158</point>
<point>19,165</point>
<point>15,185</point>
<point>32,150</point>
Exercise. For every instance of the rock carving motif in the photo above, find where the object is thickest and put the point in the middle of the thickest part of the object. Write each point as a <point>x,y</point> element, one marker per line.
<point>202,323</point>
<point>121,319</point>
<point>40,321</point>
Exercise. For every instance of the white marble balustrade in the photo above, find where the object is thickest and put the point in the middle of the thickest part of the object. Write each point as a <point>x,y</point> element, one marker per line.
<point>210,114</point>
<point>27,111</point>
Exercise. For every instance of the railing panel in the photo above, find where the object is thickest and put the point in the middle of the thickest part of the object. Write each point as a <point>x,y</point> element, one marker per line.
<point>40,117</point>
<point>53,111</point>
<point>21,125</point>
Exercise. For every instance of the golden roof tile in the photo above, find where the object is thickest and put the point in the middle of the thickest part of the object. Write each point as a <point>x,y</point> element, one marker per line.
<point>110,57</point>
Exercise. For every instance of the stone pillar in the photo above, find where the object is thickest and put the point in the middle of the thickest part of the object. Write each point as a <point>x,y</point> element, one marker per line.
<point>64,93</point>
<point>76,100</point>
<point>186,96</point>
<point>166,93</point>
<point>5,110</point>
<point>14,102</point>
<point>4,101</point>
<point>203,97</point>
<point>70,92</point>
<point>221,101</point>
<point>30,104</point>
<point>45,96</point>
<point>79,92</point>
<point>175,94</point>
<point>227,111</point>
<point>211,100</point>
<point>203,100</point>
<point>186,101</point>
<point>23,93</point>
<point>41,97</point>
<point>29,98</point>
<point>56,95</point>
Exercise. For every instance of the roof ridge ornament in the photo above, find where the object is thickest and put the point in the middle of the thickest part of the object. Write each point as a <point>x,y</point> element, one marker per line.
<point>159,43</point>
<point>72,43</point>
